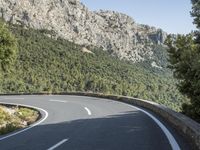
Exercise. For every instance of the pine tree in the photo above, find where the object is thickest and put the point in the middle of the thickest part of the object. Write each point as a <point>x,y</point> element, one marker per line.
<point>8,46</point>
<point>184,56</point>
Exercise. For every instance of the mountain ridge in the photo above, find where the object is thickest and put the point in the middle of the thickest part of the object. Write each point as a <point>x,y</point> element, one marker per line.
<point>70,19</point>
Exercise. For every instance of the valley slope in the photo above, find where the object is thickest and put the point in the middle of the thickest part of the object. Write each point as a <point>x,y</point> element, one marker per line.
<point>48,65</point>
<point>63,47</point>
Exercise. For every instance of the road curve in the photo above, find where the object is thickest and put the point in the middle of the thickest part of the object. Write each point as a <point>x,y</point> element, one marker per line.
<point>86,123</point>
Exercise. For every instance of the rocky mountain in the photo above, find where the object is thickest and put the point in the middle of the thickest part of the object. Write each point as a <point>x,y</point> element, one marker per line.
<point>70,19</point>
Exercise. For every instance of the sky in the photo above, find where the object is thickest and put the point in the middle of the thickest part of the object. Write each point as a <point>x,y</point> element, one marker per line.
<point>173,16</point>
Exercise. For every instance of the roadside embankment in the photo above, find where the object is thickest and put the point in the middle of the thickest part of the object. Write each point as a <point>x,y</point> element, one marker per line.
<point>16,117</point>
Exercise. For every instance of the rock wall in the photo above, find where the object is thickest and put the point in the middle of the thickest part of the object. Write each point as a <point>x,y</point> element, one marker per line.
<point>70,19</point>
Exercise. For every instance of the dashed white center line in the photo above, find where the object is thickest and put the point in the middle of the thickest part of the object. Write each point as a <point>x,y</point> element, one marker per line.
<point>54,100</point>
<point>58,144</point>
<point>88,111</point>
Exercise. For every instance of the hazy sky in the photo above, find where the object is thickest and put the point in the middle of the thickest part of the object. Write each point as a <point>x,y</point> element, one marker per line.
<point>172,16</point>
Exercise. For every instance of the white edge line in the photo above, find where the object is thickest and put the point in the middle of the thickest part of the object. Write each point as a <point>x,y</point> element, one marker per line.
<point>31,126</point>
<point>88,111</point>
<point>53,100</point>
<point>167,133</point>
<point>58,144</point>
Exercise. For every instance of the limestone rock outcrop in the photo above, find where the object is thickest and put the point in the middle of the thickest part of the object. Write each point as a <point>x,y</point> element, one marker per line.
<point>70,19</point>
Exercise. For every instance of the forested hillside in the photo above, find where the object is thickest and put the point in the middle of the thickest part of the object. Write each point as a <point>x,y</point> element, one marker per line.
<point>44,64</point>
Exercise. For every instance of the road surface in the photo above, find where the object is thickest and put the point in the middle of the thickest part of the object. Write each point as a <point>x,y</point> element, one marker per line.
<point>87,123</point>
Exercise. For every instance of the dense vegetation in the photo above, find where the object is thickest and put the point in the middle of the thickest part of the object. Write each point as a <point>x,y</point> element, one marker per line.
<point>12,118</point>
<point>184,55</point>
<point>44,64</point>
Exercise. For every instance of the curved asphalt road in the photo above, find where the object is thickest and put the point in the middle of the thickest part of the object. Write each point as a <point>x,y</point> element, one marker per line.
<point>86,123</point>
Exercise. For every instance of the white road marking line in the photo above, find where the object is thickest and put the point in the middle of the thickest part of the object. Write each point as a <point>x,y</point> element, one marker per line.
<point>167,133</point>
<point>10,98</point>
<point>31,126</point>
<point>54,100</point>
<point>58,144</point>
<point>88,111</point>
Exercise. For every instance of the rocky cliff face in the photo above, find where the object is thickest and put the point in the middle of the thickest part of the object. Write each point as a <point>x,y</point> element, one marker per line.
<point>70,19</point>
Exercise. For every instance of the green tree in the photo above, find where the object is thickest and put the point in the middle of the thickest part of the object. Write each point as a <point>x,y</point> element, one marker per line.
<point>184,56</point>
<point>195,12</point>
<point>8,46</point>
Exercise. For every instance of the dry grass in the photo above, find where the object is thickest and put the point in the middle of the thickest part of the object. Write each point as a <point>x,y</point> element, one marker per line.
<point>12,118</point>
